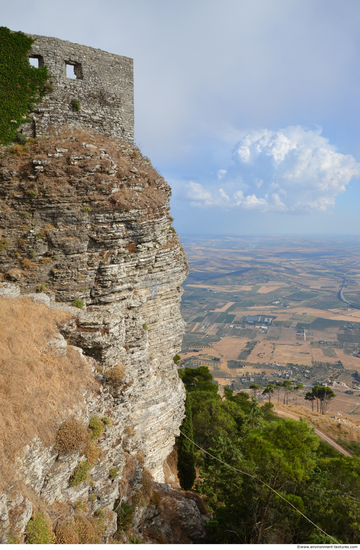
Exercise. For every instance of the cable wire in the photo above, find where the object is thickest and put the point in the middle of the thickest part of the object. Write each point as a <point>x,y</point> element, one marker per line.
<point>264,483</point>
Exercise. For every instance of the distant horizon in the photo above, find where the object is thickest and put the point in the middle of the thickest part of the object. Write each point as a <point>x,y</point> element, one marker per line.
<point>272,235</point>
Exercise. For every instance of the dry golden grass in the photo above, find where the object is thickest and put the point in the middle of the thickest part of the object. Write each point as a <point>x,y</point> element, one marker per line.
<point>93,453</point>
<point>38,388</point>
<point>79,530</point>
<point>66,534</point>
<point>115,375</point>
<point>229,348</point>
<point>94,174</point>
<point>324,422</point>
<point>224,308</point>
<point>268,287</point>
<point>284,354</point>
<point>72,435</point>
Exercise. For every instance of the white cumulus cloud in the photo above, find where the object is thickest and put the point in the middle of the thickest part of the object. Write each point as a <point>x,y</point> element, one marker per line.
<point>291,170</point>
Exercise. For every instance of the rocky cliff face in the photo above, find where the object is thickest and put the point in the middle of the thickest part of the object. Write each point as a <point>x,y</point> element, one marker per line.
<point>84,221</point>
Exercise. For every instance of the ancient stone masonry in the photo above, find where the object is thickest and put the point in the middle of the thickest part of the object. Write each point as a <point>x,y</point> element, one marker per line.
<point>92,89</point>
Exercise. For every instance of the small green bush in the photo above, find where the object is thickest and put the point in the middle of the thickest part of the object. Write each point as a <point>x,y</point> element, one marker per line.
<point>125,517</point>
<point>134,539</point>
<point>173,229</point>
<point>42,287</point>
<point>107,421</point>
<point>32,253</point>
<point>80,474</point>
<point>4,243</point>
<point>99,514</point>
<point>96,427</point>
<point>32,193</point>
<point>145,327</point>
<point>78,303</point>
<point>113,473</point>
<point>75,104</point>
<point>38,531</point>
<point>177,359</point>
<point>20,138</point>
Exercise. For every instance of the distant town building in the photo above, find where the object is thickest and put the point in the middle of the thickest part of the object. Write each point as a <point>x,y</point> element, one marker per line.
<point>258,319</point>
<point>253,319</point>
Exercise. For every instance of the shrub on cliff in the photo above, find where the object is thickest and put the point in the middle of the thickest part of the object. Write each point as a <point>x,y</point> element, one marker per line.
<point>80,473</point>
<point>38,531</point>
<point>80,530</point>
<point>71,437</point>
<point>21,85</point>
<point>96,427</point>
<point>115,375</point>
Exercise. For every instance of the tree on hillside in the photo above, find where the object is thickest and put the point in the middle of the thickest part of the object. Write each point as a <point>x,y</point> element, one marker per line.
<point>283,452</point>
<point>210,415</point>
<point>297,388</point>
<point>269,390</point>
<point>287,389</point>
<point>198,379</point>
<point>186,455</point>
<point>323,396</point>
<point>309,396</point>
<point>277,390</point>
<point>256,389</point>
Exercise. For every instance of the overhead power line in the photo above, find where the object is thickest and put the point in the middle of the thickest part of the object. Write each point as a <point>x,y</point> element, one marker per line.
<point>264,483</point>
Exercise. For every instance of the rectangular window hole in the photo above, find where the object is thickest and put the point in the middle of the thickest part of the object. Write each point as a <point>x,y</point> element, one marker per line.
<point>73,70</point>
<point>36,61</point>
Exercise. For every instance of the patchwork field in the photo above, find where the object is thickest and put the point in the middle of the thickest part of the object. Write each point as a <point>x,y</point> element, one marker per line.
<point>272,309</point>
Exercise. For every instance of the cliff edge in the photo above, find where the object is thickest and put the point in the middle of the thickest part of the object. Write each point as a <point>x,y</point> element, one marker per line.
<point>85,232</point>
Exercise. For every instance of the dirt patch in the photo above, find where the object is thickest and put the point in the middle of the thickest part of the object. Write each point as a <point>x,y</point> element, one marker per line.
<point>284,354</point>
<point>264,289</point>
<point>225,307</point>
<point>230,348</point>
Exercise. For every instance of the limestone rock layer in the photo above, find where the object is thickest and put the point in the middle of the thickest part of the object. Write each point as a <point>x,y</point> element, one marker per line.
<point>85,227</point>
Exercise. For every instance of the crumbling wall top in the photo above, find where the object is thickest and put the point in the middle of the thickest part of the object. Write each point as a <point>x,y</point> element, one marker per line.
<point>92,89</point>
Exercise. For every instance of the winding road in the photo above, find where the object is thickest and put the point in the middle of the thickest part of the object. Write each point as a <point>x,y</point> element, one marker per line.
<point>318,432</point>
<point>341,295</point>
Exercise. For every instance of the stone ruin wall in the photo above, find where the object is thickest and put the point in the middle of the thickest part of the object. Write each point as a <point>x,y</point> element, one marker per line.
<point>104,88</point>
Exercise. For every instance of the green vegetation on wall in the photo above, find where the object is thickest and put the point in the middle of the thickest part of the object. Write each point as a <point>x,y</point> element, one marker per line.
<point>21,85</point>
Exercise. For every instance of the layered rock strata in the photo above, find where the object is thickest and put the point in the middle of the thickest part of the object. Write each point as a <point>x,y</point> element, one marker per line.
<point>84,221</point>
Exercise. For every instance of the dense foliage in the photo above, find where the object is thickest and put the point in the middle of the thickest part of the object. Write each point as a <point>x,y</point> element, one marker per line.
<point>21,85</point>
<point>185,449</point>
<point>277,459</point>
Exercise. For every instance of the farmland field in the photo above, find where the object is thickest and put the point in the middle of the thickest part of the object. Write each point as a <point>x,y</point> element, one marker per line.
<point>273,307</point>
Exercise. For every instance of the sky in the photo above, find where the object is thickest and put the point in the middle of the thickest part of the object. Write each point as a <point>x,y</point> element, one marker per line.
<point>249,109</point>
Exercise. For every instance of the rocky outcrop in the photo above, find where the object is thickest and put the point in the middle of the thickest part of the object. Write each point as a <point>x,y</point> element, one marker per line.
<point>85,228</point>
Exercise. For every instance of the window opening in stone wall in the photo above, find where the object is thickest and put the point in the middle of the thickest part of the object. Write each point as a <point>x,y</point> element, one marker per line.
<point>36,61</point>
<point>73,70</point>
